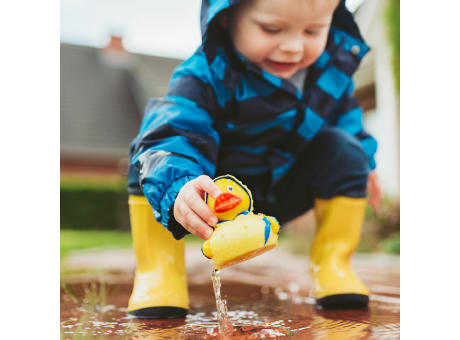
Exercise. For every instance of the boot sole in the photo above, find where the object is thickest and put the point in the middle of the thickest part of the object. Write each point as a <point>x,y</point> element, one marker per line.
<point>344,301</point>
<point>159,313</point>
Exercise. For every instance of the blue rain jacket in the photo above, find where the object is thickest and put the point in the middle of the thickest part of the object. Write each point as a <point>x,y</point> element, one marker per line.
<point>224,114</point>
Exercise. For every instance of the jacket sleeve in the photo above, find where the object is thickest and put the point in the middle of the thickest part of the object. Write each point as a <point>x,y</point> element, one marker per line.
<point>177,141</point>
<point>350,119</point>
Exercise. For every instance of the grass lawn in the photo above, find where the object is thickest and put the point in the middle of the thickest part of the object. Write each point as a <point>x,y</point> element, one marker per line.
<point>87,239</point>
<point>105,239</point>
<point>101,239</point>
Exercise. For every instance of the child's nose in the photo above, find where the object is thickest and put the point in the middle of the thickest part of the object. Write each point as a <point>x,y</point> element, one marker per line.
<point>292,45</point>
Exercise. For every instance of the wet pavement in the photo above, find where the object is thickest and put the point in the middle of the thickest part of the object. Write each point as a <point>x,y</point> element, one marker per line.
<point>267,297</point>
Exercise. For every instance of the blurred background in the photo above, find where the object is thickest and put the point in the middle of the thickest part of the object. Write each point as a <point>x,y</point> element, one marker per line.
<point>116,54</point>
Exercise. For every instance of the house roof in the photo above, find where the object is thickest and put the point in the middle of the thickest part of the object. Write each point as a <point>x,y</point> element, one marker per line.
<point>103,94</point>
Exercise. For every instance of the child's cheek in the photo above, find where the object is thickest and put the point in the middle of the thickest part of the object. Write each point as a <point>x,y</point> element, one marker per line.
<point>264,46</point>
<point>313,50</point>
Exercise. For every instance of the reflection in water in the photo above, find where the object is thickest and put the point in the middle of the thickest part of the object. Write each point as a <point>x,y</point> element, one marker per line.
<point>154,329</point>
<point>94,311</point>
<point>337,329</point>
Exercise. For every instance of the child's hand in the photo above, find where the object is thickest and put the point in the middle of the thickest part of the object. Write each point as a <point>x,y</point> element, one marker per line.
<point>374,191</point>
<point>191,211</point>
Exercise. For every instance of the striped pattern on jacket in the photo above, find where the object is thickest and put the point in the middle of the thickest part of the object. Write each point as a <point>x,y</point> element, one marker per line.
<point>223,114</point>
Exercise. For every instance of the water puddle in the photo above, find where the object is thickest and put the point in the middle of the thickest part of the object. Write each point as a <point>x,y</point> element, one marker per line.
<point>266,298</point>
<point>98,310</point>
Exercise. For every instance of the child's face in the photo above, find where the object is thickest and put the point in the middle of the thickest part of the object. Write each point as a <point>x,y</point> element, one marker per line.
<point>281,36</point>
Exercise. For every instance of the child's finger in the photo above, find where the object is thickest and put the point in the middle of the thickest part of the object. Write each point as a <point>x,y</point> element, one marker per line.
<point>375,199</point>
<point>378,197</point>
<point>205,183</point>
<point>374,202</point>
<point>195,224</point>
<point>197,204</point>
<point>377,192</point>
<point>371,197</point>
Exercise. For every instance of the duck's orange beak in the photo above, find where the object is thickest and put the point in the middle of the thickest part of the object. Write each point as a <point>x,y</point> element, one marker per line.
<point>226,201</point>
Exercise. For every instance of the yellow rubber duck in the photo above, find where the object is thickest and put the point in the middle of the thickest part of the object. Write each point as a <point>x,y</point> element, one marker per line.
<point>240,234</point>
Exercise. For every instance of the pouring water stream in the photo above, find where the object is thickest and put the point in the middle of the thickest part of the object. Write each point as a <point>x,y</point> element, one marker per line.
<point>221,304</point>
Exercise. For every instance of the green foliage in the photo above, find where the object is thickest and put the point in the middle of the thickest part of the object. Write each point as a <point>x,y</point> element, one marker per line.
<point>90,239</point>
<point>192,239</point>
<point>391,244</point>
<point>367,244</point>
<point>94,203</point>
<point>393,22</point>
<point>381,228</point>
<point>387,220</point>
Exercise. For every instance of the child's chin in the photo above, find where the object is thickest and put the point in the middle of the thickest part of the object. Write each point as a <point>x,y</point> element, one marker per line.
<point>286,75</point>
<point>281,74</point>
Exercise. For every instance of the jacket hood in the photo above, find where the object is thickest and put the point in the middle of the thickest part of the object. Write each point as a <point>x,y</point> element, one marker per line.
<point>342,19</point>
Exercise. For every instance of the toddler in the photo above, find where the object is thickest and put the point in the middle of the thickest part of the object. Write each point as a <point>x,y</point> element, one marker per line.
<point>267,97</point>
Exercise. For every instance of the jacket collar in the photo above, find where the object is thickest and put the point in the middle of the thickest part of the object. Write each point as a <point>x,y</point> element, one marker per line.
<point>345,47</point>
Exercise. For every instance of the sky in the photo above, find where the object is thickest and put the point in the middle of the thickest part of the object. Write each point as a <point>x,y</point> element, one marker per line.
<point>166,28</point>
<point>155,27</point>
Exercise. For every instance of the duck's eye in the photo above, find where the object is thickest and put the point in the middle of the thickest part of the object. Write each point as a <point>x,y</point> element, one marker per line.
<point>230,188</point>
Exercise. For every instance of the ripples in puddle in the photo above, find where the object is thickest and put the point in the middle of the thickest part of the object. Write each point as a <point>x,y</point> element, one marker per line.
<point>98,311</point>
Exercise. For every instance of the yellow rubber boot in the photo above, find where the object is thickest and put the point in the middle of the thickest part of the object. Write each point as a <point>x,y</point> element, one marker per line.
<point>160,282</point>
<point>339,224</point>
